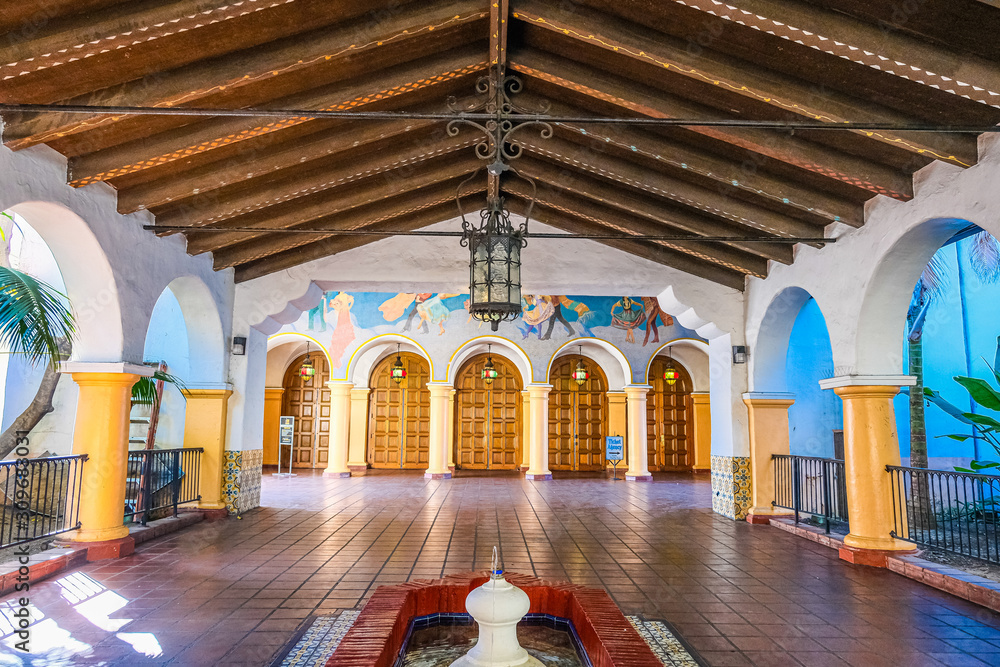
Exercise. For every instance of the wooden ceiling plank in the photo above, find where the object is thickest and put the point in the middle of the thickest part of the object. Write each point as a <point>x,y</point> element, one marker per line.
<point>376,187</point>
<point>90,52</point>
<point>320,57</point>
<point>644,249</point>
<point>787,97</point>
<point>875,178</point>
<point>637,203</point>
<point>210,134</point>
<point>617,220</point>
<point>414,217</point>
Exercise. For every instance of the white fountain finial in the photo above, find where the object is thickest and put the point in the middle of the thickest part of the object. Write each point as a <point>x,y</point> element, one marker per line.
<point>497,606</point>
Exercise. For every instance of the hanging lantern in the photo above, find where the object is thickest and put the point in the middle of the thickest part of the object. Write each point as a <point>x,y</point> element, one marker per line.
<point>397,372</point>
<point>580,373</point>
<point>307,370</point>
<point>495,265</point>
<point>670,374</point>
<point>490,372</point>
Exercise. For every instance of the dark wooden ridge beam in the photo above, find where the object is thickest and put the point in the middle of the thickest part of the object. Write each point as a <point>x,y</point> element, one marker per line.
<point>259,75</point>
<point>24,19</point>
<point>660,254</point>
<point>92,51</point>
<point>396,217</point>
<point>211,134</point>
<point>873,177</point>
<point>715,77</point>
<point>679,192</point>
<point>303,213</point>
<point>555,181</point>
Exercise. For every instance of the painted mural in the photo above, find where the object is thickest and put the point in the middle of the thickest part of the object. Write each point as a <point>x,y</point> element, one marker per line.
<point>441,323</point>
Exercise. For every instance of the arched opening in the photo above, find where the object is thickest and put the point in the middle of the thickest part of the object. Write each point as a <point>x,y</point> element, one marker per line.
<point>307,399</point>
<point>166,346</point>
<point>399,414</point>
<point>578,416</point>
<point>488,416</point>
<point>669,423</point>
<point>815,419</point>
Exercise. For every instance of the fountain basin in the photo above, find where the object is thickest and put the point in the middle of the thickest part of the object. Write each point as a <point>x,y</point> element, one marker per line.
<point>381,629</point>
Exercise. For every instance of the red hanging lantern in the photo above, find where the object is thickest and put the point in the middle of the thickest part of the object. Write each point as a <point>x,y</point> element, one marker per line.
<point>397,372</point>
<point>307,370</point>
<point>580,373</point>
<point>490,372</point>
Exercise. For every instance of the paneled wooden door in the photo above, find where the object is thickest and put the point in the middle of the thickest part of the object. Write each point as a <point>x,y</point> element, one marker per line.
<point>668,419</point>
<point>488,416</point>
<point>399,415</point>
<point>577,417</point>
<point>308,400</point>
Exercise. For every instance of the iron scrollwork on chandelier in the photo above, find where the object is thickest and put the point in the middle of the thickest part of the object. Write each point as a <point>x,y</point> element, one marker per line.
<point>494,243</point>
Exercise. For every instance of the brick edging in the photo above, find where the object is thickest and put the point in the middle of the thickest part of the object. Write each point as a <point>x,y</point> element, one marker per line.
<point>975,589</point>
<point>377,635</point>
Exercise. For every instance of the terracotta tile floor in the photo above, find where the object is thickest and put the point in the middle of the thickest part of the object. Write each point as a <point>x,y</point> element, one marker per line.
<point>233,592</point>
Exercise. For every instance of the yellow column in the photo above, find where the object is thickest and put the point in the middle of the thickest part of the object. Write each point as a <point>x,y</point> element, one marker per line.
<point>272,421</point>
<point>618,421</point>
<point>101,432</point>
<point>638,460</point>
<point>437,467</point>
<point>340,429</point>
<point>538,437</point>
<point>870,444</point>
<point>451,430</point>
<point>525,430</point>
<point>768,427</point>
<point>701,417</point>
<point>205,426</point>
<point>357,461</point>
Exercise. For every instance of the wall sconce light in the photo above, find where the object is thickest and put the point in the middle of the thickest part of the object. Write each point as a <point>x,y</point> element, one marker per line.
<point>739,354</point>
<point>239,346</point>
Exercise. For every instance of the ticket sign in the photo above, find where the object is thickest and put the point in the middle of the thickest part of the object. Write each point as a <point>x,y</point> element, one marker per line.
<point>286,427</point>
<point>614,447</point>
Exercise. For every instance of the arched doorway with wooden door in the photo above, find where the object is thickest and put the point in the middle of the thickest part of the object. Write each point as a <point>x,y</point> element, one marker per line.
<point>669,423</point>
<point>578,416</point>
<point>308,400</point>
<point>399,414</point>
<point>488,416</point>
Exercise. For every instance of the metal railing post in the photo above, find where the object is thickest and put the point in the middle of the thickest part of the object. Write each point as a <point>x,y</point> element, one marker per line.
<point>145,491</point>
<point>176,473</point>
<point>826,495</point>
<point>796,487</point>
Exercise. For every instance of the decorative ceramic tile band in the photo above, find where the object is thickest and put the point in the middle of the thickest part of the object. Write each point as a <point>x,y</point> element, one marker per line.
<point>731,486</point>
<point>241,475</point>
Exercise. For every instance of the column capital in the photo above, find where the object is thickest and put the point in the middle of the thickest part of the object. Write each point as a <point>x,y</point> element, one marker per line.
<point>359,393</point>
<point>699,397</point>
<point>340,388</point>
<point>868,381</point>
<point>766,399</point>
<point>637,389</point>
<point>537,389</point>
<point>107,367</point>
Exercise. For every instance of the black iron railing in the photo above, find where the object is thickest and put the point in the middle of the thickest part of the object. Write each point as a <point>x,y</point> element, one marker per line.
<point>950,511</point>
<point>40,498</point>
<point>810,485</point>
<point>159,480</point>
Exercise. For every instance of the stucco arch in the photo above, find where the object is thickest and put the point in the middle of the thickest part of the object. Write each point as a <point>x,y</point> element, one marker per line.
<point>206,345</point>
<point>878,340</point>
<point>616,368</point>
<point>767,361</point>
<point>90,282</point>
<point>374,350</point>
<point>500,347</point>
<point>690,353</point>
<point>282,349</point>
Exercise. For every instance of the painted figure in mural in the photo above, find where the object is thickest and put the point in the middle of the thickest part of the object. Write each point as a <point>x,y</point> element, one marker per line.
<point>585,317</point>
<point>393,309</point>
<point>651,306</point>
<point>433,310</point>
<point>338,315</point>
<point>630,318</point>
<point>417,300</point>
<point>535,310</point>
<point>557,316</point>
<point>317,315</point>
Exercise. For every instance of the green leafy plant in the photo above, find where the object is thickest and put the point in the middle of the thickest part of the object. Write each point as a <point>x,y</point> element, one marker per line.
<point>984,426</point>
<point>144,391</point>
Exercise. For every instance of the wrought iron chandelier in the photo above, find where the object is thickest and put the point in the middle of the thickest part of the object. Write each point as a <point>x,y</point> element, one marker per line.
<point>494,243</point>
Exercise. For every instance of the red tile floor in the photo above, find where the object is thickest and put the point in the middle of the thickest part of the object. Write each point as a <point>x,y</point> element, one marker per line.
<point>233,592</point>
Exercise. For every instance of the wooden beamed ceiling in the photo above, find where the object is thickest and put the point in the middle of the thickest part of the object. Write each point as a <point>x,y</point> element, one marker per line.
<point>248,178</point>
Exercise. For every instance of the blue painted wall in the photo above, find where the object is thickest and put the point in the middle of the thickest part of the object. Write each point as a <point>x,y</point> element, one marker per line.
<point>955,345</point>
<point>815,413</point>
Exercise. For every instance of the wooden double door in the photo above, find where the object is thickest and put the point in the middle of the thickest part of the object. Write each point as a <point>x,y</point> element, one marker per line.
<point>669,430</point>
<point>488,416</point>
<point>308,400</point>
<point>399,415</point>
<point>577,417</point>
